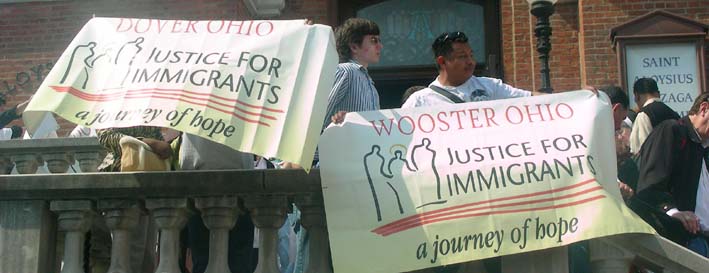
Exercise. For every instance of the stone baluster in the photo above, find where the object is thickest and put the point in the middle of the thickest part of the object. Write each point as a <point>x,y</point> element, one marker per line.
<point>552,260</point>
<point>268,214</point>
<point>609,258</point>
<point>58,162</point>
<point>88,161</point>
<point>74,217</point>
<point>121,217</point>
<point>312,217</point>
<point>219,216</point>
<point>26,163</point>
<point>5,164</point>
<point>170,217</point>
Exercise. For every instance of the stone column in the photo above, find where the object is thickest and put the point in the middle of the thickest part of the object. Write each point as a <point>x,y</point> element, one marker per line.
<point>170,217</point>
<point>5,164</point>
<point>219,216</point>
<point>74,218</point>
<point>268,213</point>
<point>312,217</point>
<point>608,258</point>
<point>552,260</point>
<point>26,163</point>
<point>58,162</point>
<point>121,217</point>
<point>88,161</point>
<point>27,232</point>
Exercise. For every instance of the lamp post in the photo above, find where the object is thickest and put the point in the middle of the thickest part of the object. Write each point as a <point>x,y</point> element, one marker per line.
<point>542,9</point>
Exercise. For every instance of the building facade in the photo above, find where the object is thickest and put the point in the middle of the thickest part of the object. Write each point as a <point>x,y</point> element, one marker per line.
<point>33,34</point>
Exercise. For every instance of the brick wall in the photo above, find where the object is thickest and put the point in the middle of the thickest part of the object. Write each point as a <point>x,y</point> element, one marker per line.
<point>601,15</point>
<point>33,35</point>
<point>581,26</point>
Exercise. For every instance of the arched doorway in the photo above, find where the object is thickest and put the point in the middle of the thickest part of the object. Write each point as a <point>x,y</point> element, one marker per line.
<point>408,27</point>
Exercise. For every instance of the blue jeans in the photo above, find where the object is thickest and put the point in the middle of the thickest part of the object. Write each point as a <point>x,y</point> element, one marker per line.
<point>699,245</point>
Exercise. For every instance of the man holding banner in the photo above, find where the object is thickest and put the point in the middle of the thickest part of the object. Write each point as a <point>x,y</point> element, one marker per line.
<point>455,82</point>
<point>358,46</point>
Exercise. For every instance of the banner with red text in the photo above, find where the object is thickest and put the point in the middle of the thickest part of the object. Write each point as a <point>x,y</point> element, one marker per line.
<point>256,86</point>
<point>406,189</point>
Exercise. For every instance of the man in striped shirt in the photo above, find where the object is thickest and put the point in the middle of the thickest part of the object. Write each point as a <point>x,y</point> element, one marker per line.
<point>358,46</point>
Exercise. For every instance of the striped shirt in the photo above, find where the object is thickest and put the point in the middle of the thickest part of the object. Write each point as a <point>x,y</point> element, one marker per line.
<point>353,91</point>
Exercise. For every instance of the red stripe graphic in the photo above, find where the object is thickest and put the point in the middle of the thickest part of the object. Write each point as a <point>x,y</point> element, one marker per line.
<point>590,199</point>
<point>441,217</point>
<point>418,217</point>
<point>170,95</point>
<point>120,93</point>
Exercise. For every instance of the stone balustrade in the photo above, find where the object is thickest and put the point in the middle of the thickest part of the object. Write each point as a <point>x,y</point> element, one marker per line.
<point>58,153</point>
<point>44,217</point>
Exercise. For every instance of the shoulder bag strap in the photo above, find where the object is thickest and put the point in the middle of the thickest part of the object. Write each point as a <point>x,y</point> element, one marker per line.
<point>451,97</point>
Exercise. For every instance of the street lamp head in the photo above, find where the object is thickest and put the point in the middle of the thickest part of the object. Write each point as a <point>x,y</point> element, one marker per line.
<point>531,2</point>
<point>541,8</point>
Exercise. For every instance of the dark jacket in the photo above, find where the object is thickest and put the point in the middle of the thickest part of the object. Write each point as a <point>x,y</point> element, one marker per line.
<point>8,116</point>
<point>670,165</point>
<point>658,112</point>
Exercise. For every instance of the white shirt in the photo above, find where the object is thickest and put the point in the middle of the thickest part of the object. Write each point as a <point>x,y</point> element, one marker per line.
<point>474,89</point>
<point>5,133</point>
<point>642,126</point>
<point>81,131</point>
<point>198,153</point>
<point>701,209</point>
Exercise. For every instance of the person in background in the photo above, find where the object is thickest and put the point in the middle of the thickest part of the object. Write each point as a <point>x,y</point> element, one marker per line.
<point>619,109</point>
<point>12,132</point>
<point>652,112</point>
<point>13,113</point>
<point>410,91</point>
<point>673,189</point>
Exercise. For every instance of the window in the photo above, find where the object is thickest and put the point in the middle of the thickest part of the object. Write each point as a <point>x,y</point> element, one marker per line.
<point>408,27</point>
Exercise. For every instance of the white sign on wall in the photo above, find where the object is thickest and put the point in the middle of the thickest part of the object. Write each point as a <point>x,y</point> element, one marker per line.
<point>674,66</point>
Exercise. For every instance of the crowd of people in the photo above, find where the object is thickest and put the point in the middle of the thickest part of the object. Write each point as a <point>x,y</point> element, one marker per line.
<point>662,157</point>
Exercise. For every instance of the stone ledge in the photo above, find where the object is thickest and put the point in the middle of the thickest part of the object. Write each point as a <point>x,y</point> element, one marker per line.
<point>50,145</point>
<point>656,252</point>
<point>138,185</point>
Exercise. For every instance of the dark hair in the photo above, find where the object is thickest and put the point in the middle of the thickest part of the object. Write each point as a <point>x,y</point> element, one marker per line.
<point>697,102</point>
<point>410,91</point>
<point>443,45</point>
<point>617,95</point>
<point>352,31</point>
<point>645,86</point>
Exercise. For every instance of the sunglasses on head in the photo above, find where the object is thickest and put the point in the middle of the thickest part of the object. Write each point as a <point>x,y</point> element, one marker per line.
<point>452,36</point>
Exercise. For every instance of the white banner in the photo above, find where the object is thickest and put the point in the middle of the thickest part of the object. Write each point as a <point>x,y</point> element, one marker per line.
<point>256,86</point>
<point>406,189</point>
